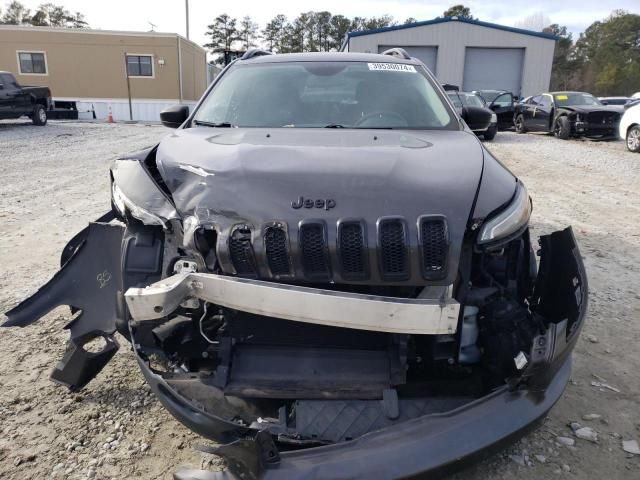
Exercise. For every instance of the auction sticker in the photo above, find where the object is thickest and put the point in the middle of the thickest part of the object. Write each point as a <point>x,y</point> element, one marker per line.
<point>392,67</point>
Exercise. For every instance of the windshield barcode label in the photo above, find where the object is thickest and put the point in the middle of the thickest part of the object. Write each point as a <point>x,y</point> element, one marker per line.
<point>392,67</point>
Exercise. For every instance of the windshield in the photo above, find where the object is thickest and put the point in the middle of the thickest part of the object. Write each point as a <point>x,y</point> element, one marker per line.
<point>461,99</point>
<point>564,99</point>
<point>490,95</point>
<point>455,100</point>
<point>471,100</point>
<point>325,94</point>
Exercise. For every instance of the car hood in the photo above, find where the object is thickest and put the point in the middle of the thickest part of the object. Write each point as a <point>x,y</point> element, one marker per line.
<point>228,177</point>
<point>593,108</point>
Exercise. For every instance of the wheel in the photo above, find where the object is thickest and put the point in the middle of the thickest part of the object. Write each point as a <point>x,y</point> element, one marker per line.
<point>562,129</point>
<point>39,116</point>
<point>633,139</point>
<point>520,127</point>
<point>490,133</point>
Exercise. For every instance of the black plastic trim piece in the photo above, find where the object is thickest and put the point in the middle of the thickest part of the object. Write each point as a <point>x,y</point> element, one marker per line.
<point>426,273</point>
<point>318,269</point>
<point>352,275</point>
<point>383,253</point>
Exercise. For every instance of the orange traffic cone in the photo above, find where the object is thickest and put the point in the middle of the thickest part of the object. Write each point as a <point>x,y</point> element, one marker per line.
<point>110,116</point>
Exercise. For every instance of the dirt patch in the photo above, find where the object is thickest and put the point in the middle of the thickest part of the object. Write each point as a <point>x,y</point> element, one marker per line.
<point>54,181</point>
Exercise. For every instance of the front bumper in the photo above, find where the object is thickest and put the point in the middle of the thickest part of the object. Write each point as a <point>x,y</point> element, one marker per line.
<point>484,130</point>
<point>391,452</point>
<point>434,444</point>
<point>596,130</point>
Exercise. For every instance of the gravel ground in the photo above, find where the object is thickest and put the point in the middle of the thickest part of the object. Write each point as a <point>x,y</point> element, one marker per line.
<point>54,180</point>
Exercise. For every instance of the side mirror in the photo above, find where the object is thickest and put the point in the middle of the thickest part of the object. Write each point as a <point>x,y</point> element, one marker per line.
<point>476,117</point>
<point>174,116</point>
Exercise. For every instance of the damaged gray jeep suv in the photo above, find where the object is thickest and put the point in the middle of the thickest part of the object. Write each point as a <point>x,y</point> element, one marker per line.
<point>323,270</point>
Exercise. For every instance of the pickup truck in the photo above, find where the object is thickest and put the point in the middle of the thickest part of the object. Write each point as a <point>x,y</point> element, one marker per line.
<point>17,101</point>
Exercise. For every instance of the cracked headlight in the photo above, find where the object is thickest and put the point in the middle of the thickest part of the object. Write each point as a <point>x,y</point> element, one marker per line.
<point>508,221</point>
<point>123,204</point>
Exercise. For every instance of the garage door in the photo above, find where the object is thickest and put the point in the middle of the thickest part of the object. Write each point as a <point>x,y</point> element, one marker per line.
<point>428,55</point>
<point>493,69</point>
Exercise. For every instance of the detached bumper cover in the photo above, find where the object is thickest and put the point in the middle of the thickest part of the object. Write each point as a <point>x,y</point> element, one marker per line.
<point>430,444</point>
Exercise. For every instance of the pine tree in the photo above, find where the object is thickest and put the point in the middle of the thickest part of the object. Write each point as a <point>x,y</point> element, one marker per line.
<point>248,32</point>
<point>223,33</point>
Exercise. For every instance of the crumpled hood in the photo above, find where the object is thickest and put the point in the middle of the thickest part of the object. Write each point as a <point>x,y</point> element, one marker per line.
<point>585,109</point>
<point>227,177</point>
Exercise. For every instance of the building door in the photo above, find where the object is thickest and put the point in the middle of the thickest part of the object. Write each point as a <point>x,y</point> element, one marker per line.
<point>493,69</point>
<point>428,55</point>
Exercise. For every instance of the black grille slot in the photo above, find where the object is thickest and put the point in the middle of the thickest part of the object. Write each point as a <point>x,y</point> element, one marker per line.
<point>353,260</point>
<point>433,243</point>
<point>314,251</point>
<point>241,252</point>
<point>393,249</point>
<point>275,240</point>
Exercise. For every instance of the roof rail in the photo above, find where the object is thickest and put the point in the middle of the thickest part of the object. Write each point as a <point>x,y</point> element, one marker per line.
<point>254,52</point>
<point>397,52</point>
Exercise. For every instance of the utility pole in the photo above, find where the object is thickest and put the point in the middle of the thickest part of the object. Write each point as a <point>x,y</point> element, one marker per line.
<point>186,8</point>
<point>126,69</point>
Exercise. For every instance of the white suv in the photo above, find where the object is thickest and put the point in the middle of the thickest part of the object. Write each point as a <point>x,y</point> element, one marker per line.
<point>630,128</point>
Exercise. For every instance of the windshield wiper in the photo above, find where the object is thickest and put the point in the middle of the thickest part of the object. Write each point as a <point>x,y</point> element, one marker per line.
<point>334,125</point>
<point>214,125</point>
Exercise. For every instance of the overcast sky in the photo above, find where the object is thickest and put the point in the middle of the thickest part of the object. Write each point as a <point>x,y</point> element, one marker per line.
<point>169,15</point>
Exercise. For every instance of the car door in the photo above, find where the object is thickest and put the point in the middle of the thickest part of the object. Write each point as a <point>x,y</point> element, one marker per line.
<point>502,105</point>
<point>4,100</point>
<point>16,100</point>
<point>529,111</point>
<point>543,113</point>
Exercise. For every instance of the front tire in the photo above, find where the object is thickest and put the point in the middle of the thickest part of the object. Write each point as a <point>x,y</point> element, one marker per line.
<point>562,129</point>
<point>39,116</point>
<point>490,133</point>
<point>519,124</point>
<point>633,139</point>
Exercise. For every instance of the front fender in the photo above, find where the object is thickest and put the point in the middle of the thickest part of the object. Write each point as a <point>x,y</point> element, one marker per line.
<point>90,281</point>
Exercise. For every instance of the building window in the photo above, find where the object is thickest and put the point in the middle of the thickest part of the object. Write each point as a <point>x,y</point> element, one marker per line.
<point>32,63</point>
<point>140,65</point>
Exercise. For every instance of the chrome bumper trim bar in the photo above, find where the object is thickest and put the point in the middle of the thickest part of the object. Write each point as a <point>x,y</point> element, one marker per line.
<point>424,316</point>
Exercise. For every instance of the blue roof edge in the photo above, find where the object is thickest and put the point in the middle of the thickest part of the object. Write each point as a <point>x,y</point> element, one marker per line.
<point>548,36</point>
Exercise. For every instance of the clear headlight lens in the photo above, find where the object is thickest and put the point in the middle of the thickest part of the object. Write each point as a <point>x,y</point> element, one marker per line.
<point>118,199</point>
<point>124,204</point>
<point>494,118</point>
<point>509,220</point>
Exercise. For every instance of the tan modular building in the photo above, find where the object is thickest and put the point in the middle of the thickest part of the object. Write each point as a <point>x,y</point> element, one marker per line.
<point>89,67</point>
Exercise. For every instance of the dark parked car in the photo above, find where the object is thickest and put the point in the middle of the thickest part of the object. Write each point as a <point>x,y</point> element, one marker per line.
<point>329,275</point>
<point>503,104</point>
<point>18,101</point>
<point>484,121</point>
<point>614,100</point>
<point>568,114</point>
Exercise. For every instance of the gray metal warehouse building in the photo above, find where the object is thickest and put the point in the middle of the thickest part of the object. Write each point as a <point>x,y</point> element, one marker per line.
<point>472,54</point>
